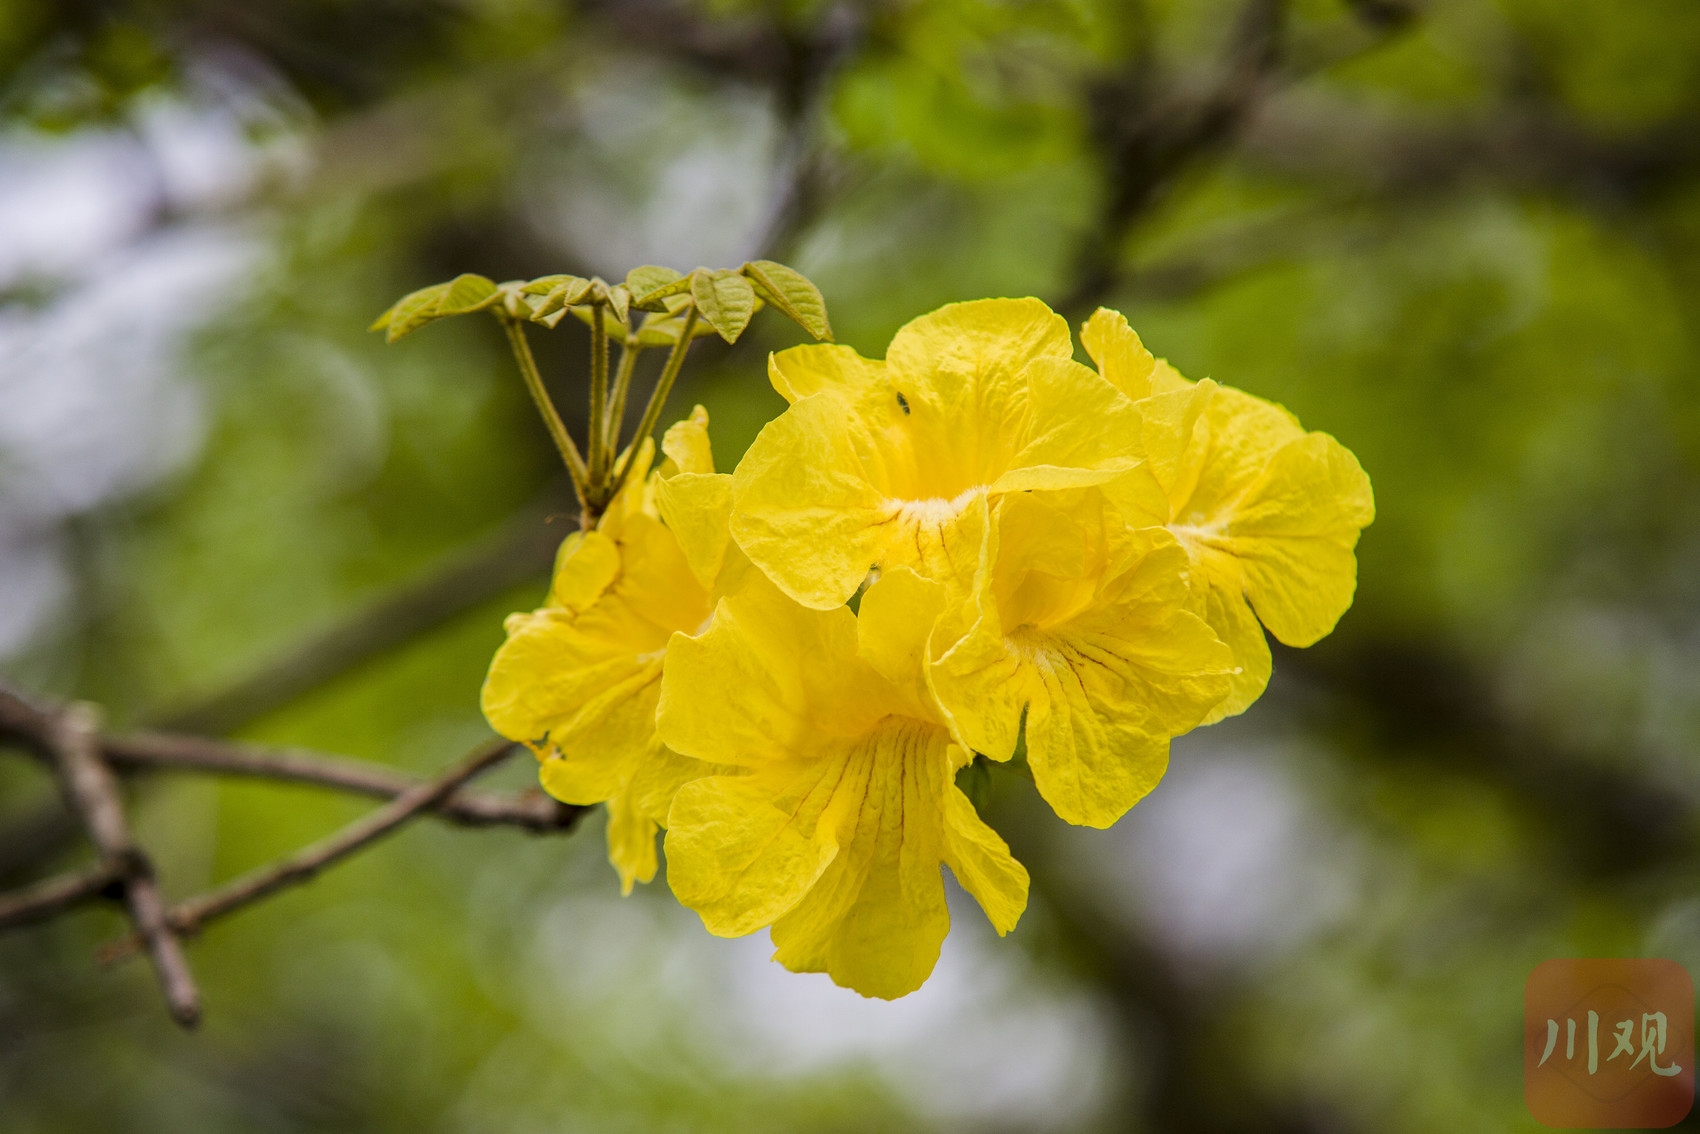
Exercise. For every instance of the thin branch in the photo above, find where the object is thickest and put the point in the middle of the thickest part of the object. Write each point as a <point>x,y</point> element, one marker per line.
<point>540,395</point>
<point>49,898</point>
<point>658,396</point>
<point>191,916</point>
<point>91,790</point>
<point>159,752</point>
<point>629,351</point>
<point>598,443</point>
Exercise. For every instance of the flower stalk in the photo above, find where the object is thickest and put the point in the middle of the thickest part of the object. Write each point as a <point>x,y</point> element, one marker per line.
<point>540,396</point>
<point>672,303</point>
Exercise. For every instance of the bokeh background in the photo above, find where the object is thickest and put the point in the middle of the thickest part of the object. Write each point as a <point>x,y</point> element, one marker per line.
<point>1463,236</point>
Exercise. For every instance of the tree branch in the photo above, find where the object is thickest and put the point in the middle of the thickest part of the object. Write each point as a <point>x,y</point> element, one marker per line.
<point>159,752</point>
<point>190,916</point>
<point>49,898</point>
<point>91,790</point>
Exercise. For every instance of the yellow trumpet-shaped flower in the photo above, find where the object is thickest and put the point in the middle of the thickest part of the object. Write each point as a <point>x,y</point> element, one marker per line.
<point>578,679</point>
<point>835,832</point>
<point>875,462</point>
<point>1078,623</point>
<point>1268,514</point>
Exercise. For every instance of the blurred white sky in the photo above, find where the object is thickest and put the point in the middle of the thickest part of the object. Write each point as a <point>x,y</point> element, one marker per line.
<point>114,242</point>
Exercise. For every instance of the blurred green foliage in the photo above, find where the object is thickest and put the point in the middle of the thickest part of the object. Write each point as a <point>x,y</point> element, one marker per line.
<point>1462,237</point>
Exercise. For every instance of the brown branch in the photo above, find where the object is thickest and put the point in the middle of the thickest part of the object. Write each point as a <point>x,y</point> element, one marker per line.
<point>29,726</point>
<point>160,752</point>
<point>91,790</point>
<point>191,916</point>
<point>55,895</point>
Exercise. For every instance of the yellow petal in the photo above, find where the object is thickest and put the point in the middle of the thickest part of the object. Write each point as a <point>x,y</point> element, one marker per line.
<point>1123,360</point>
<point>592,753</point>
<point>661,774</point>
<point>697,508</point>
<point>631,841</point>
<point>981,861</point>
<point>633,497</point>
<point>894,625</point>
<point>686,445</point>
<point>1089,766</point>
<point>1080,431</point>
<point>822,368</point>
<point>766,681</point>
<point>586,565</point>
<point>743,850</point>
<point>1115,682</point>
<point>804,509</point>
<point>875,919</point>
<point>1294,534</point>
<point>1220,600</point>
<point>953,359</point>
<point>1177,441</point>
<point>1245,432</point>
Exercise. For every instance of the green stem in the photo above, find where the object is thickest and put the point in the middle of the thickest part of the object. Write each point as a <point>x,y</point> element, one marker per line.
<point>598,405</point>
<point>551,419</point>
<point>617,402</point>
<point>658,397</point>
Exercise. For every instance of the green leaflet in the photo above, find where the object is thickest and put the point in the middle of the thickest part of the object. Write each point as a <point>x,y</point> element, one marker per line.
<point>725,301</point>
<point>791,292</point>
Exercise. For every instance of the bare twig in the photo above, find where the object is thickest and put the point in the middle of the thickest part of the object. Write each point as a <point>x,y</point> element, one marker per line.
<point>55,895</point>
<point>91,790</point>
<point>30,726</point>
<point>191,916</point>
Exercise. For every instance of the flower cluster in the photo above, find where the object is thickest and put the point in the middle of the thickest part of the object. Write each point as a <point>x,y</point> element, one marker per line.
<point>974,547</point>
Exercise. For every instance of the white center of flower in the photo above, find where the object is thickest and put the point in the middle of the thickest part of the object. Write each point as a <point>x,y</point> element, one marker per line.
<point>936,510</point>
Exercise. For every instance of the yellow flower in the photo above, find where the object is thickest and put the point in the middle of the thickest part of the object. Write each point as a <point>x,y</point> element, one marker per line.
<point>875,462</point>
<point>1077,623</point>
<point>577,680</point>
<point>1268,513</point>
<point>834,834</point>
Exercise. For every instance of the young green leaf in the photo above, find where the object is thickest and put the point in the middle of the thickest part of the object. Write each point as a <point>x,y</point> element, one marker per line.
<point>466,293</point>
<point>725,300</point>
<point>610,322</point>
<point>663,330</point>
<point>619,302</point>
<point>543,285</point>
<point>650,286</point>
<point>409,313</point>
<point>567,291</point>
<point>641,282</point>
<point>791,292</point>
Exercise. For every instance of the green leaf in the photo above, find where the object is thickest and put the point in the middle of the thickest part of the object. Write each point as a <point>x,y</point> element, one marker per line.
<point>543,285</point>
<point>725,300</point>
<point>663,330</point>
<point>620,301</point>
<point>791,292</point>
<point>566,292</point>
<point>410,312</point>
<point>458,296</point>
<point>466,293</point>
<point>651,285</point>
<point>650,278</point>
